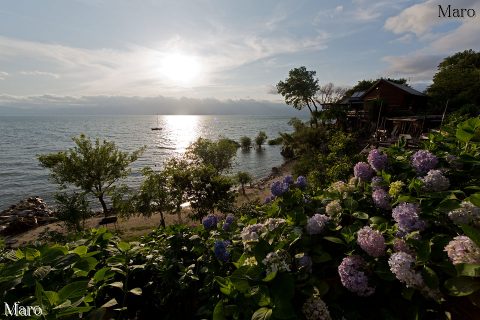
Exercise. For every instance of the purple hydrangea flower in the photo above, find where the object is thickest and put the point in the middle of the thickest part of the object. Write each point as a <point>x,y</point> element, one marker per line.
<point>288,180</point>
<point>435,181</point>
<point>316,224</point>
<point>424,161</point>
<point>381,199</point>
<point>401,266</point>
<point>371,241</point>
<point>315,309</point>
<point>278,188</point>
<point>463,250</point>
<point>228,221</point>
<point>406,216</point>
<point>268,199</point>
<point>210,221</point>
<point>377,183</point>
<point>363,171</point>
<point>301,182</point>
<point>352,276</point>
<point>466,214</point>
<point>399,245</point>
<point>220,250</point>
<point>377,160</point>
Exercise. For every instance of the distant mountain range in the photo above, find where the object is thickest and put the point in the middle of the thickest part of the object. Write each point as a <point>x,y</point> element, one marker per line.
<point>47,104</point>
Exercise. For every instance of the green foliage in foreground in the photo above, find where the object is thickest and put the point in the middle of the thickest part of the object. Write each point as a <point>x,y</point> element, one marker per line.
<point>276,261</point>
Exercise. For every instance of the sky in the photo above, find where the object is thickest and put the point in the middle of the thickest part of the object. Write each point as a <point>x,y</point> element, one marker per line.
<point>93,52</point>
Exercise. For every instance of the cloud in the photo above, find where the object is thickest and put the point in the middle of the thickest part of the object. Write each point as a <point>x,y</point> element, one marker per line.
<point>135,70</point>
<point>417,67</point>
<point>40,73</point>
<point>422,21</point>
<point>422,18</point>
<point>466,36</point>
<point>3,75</point>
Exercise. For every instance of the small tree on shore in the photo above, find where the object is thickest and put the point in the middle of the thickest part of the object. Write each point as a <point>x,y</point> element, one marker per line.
<point>260,139</point>
<point>209,191</point>
<point>243,178</point>
<point>72,209</point>
<point>94,167</point>
<point>245,143</point>
<point>154,195</point>
<point>179,180</point>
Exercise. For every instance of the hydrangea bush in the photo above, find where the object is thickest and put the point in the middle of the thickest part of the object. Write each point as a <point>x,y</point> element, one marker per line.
<point>399,240</point>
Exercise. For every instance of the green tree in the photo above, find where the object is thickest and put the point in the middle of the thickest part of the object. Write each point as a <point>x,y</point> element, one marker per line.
<point>299,90</point>
<point>243,178</point>
<point>457,81</point>
<point>260,139</point>
<point>179,179</point>
<point>209,191</point>
<point>94,167</point>
<point>219,154</point>
<point>72,209</point>
<point>245,143</point>
<point>154,195</point>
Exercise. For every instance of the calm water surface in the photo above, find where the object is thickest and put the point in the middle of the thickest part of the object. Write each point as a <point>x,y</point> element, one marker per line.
<point>22,138</point>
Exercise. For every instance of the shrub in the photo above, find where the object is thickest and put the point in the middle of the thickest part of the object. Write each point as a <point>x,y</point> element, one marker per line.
<point>245,143</point>
<point>72,209</point>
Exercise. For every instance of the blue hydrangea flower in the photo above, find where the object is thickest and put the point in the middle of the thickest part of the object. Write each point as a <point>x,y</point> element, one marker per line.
<point>363,171</point>
<point>220,250</point>
<point>228,221</point>
<point>377,160</point>
<point>278,188</point>
<point>301,182</point>
<point>305,263</point>
<point>424,161</point>
<point>210,221</point>
<point>288,180</point>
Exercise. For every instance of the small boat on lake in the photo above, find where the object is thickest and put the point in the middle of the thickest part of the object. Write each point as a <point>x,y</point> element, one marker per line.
<point>157,127</point>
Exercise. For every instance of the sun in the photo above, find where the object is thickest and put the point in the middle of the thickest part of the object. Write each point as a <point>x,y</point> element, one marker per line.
<point>180,68</point>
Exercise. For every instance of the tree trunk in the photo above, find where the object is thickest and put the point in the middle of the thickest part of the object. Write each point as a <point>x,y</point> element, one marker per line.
<point>315,114</point>
<point>104,206</point>
<point>243,189</point>
<point>162,220</point>
<point>179,214</point>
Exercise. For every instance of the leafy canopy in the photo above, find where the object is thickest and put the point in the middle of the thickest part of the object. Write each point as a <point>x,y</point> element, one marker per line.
<point>219,154</point>
<point>299,88</point>
<point>92,166</point>
<point>457,81</point>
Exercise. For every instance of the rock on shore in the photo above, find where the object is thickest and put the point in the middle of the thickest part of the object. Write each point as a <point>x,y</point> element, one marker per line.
<point>25,215</point>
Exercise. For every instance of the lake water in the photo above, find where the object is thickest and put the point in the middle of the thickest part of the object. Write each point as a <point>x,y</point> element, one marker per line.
<point>22,138</point>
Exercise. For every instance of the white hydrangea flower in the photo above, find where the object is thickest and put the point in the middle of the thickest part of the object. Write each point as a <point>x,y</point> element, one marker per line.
<point>276,261</point>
